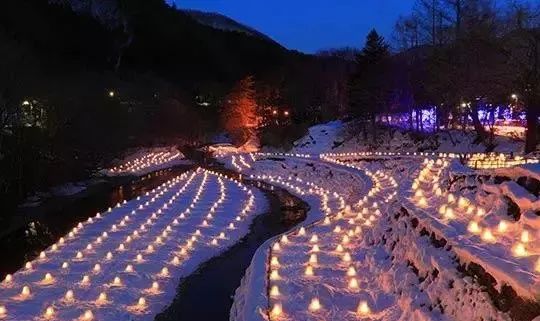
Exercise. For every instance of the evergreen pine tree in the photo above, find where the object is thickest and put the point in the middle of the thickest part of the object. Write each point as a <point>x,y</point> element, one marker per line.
<point>368,89</point>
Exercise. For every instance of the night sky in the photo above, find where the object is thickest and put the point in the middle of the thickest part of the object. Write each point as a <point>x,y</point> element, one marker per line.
<point>310,25</point>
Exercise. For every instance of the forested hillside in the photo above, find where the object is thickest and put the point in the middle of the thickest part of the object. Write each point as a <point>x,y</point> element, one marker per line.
<point>82,80</point>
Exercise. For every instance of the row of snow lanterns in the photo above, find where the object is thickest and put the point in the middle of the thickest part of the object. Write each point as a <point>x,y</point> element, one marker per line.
<point>243,163</point>
<point>144,162</point>
<point>372,154</point>
<point>488,161</point>
<point>297,155</point>
<point>48,278</point>
<point>315,305</point>
<point>465,206</point>
<point>140,305</point>
<point>488,158</point>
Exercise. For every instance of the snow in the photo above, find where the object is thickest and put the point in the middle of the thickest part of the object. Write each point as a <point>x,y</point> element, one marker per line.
<point>488,244</point>
<point>69,189</point>
<point>221,149</point>
<point>516,193</point>
<point>147,160</point>
<point>400,273</point>
<point>320,138</point>
<point>529,170</point>
<point>251,300</point>
<point>161,226</point>
<point>338,137</point>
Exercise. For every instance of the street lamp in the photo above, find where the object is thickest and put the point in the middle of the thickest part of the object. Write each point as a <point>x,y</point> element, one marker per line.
<point>286,113</point>
<point>112,93</point>
<point>514,96</point>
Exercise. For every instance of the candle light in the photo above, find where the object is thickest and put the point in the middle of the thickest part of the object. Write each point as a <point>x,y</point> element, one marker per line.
<point>309,270</point>
<point>525,238</point>
<point>25,291</point>
<point>363,308</point>
<point>142,302</point>
<point>346,257</point>
<point>449,213</point>
<point>274,291</point>
<point>502,227</point>
<point>276,310</point>
<point>473,227</point>
<point>520,250</point>
<point>48,278</point>
<point>488,236</point>
<point>351,271</point>
<point>49,312</point>
<point>164,271</point>
<point>274,275</point>
<point>69,296</point>
<point>315,305</point>
<point>353,283</point>
<point>88,316</point>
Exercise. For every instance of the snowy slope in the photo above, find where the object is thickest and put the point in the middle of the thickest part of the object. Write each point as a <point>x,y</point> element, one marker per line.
<point>335,137</point>
<point>411,261</point>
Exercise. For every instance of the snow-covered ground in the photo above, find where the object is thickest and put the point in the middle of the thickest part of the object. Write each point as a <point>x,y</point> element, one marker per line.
<point>125,264</point>
<point>147,160</point>
<point>337,137</point>
<point>421,254</point>
<point>479,229</point>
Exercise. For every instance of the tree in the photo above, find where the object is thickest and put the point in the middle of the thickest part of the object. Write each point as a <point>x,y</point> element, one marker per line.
<point>240,116</point>
<point>524,45</point>
<point>368,88</point>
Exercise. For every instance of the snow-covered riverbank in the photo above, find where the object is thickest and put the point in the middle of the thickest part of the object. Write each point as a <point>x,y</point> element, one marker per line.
<point>125,264</point>
<point>401,259</point>
<point>146,160</point>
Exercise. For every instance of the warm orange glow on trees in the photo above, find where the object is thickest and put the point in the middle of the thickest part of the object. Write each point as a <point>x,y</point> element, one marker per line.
<point>239,117</point>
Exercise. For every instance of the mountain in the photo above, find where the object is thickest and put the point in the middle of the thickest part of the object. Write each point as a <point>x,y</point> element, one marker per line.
<point>222,22</point>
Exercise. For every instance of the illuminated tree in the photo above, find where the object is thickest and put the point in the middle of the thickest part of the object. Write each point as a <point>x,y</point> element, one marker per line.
<point>239,116</point>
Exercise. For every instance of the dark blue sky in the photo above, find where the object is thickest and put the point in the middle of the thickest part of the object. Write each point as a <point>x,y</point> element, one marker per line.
<point>309,25</point>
